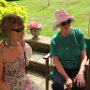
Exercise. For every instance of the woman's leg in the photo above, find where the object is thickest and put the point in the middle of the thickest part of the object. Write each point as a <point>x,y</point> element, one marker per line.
<point>58,81</point>
<point>77,88</point>
<point>72,73</point>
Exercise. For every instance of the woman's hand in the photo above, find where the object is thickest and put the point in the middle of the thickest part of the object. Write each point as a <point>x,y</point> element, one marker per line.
<point>79,79</point>
<point>69,83</point>
<point>87,63</point>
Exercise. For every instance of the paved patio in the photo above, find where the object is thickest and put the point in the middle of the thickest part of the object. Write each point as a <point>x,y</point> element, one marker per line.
<point>39,80</point>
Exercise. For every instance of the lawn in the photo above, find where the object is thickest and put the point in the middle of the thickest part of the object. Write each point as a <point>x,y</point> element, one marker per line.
<point>39,11</point>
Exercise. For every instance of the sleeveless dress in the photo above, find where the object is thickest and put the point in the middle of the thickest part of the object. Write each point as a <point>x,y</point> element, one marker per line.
<point>15,77</point>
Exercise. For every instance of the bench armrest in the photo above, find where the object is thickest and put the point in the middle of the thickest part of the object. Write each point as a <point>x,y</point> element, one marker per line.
<point>47,66</point>
<point>47,56</point>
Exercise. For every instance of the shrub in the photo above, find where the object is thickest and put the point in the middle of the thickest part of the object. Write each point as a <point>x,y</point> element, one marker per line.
<point>12,8</point>
<point>3,3</point>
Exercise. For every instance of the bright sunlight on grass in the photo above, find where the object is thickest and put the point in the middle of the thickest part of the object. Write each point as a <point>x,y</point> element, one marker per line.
<point>39,11</point>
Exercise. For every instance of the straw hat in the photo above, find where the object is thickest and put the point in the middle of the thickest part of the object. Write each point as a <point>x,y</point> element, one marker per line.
<point>60,16</point>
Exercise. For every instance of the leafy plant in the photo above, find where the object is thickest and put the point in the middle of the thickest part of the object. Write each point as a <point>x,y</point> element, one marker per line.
<point>12,8</point>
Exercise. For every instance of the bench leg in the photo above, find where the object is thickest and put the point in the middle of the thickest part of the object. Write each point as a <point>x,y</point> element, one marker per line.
<point>47,83</point>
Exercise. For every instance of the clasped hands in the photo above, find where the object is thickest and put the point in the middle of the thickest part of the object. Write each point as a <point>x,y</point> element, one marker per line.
<point>79,80</point>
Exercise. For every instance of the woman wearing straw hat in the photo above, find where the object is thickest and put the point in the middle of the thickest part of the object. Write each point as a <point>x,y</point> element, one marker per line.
<point>68,50</point>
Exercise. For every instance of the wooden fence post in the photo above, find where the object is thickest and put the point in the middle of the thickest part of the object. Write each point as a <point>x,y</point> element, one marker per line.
<point>48,2</point>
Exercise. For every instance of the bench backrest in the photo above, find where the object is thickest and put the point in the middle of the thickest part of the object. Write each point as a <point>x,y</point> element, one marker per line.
<point>88,69</point>
<point>88,47</point>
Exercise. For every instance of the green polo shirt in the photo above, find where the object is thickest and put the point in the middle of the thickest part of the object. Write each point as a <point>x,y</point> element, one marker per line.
<point>68,48</point>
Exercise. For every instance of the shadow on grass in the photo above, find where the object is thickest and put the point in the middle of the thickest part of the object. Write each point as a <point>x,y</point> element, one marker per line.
<point>43,8</point>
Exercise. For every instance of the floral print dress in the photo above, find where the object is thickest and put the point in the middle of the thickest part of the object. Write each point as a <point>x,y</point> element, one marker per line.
<point>15,77</point>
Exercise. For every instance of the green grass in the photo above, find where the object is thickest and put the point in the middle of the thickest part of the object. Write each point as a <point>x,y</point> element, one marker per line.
<point>39,11</point>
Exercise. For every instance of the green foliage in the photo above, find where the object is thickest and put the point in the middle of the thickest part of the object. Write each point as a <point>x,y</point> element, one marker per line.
<point>3,3</point>
<point>12,8</point>
<point>1,37</point>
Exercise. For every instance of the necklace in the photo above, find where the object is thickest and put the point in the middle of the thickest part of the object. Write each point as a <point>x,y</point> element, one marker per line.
<point>67,48</point>
<point>8,44</point>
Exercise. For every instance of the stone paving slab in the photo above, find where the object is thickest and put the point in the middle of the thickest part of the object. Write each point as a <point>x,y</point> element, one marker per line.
<point>42,39</point>
<point>39,80</point>
<point>37,63</point>
<point>42,44</point>
<point>37,57</point>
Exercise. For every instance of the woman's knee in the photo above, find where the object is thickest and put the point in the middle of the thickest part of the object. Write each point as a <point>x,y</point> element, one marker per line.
<point>58,81</point>
<point>57,86</point>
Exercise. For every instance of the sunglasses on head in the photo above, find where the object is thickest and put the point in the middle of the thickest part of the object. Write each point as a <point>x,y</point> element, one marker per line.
<point>18,29</point>
<point>66,22</point>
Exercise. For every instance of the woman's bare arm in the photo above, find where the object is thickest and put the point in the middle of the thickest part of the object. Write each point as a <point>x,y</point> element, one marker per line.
<point>80,76</point>
<point>2,85</point>
<point>83,60</point>
<point>60,67</point>
<point>61,70</point>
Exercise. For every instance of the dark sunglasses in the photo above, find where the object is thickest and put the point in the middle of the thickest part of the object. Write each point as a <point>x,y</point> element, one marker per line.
<point>66,22</point>
<point>18,30</point>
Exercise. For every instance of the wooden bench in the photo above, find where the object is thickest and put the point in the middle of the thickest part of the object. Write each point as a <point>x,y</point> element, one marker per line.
<point>49,72</point>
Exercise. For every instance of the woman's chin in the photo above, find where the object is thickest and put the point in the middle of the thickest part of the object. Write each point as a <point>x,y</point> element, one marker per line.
<point>67,29</point>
